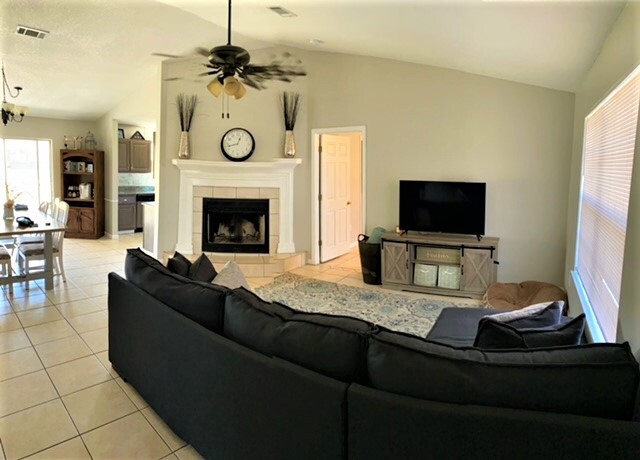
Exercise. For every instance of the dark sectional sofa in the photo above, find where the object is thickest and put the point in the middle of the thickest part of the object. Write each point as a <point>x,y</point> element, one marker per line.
<point>240,378</point>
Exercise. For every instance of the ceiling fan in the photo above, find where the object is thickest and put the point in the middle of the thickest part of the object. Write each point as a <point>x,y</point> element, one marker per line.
<point>231,66</point>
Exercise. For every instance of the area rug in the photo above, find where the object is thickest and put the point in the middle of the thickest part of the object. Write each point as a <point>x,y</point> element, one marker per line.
<point>396,311</point>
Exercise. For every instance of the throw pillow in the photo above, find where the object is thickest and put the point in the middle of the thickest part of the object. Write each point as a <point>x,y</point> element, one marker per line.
<point>179,264</point>
<point>202,270</point>
<point>537,315</point>
<point>495,335</point>
<point>231,276</point>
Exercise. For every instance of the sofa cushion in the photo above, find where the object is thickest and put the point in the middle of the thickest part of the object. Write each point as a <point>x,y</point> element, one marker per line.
<point>179,264</point>
<point>598,380</point>
<point>252,321</point>
<point>332,345</point>
<point>457,326</point>
<point>538,315</point>
<point>202,269</point>
<point>201,302</point>
<point>494,334</point>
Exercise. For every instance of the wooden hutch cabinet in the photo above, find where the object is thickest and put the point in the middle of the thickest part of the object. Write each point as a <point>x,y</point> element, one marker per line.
<point>83,188</point>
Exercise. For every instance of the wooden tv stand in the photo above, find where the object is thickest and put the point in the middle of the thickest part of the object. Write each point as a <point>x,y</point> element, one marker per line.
<point>453,265</point>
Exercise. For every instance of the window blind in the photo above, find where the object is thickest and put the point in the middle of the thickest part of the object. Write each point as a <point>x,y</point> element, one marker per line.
<point>609,147</point>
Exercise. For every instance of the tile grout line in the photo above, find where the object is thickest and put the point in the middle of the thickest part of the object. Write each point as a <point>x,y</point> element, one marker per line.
<point>59,398</point>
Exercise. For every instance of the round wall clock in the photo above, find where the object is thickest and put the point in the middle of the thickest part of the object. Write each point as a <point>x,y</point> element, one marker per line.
<point>237,144</point>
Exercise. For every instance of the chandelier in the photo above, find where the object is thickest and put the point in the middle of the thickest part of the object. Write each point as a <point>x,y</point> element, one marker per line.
<point>10,112</point>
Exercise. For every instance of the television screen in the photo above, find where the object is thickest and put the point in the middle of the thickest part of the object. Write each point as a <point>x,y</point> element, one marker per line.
<point>444,207</point>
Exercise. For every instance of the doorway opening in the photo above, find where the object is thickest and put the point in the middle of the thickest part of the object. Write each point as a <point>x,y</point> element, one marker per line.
<point>338,198</point>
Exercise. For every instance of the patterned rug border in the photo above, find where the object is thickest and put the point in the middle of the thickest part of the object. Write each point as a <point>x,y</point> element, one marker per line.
<point>403,312</point>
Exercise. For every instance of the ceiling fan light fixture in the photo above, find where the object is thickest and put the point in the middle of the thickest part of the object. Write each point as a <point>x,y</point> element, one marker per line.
<point>241,91</point>
<point>231,85</point>
<point>215,87</point>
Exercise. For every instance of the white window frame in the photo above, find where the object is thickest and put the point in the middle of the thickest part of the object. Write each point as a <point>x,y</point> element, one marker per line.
<point>3,162</point>
<point>597,332</point>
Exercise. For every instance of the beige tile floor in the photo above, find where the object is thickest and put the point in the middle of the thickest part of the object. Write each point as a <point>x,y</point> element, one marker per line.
<point>59,396</point>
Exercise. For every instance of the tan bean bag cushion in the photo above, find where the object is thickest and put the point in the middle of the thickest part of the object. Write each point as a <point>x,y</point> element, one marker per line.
<point>513,296</point>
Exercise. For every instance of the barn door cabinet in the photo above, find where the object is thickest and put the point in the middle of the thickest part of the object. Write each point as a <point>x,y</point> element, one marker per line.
<point>454,265</point>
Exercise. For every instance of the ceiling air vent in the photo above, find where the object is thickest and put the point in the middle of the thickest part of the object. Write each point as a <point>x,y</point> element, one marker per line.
<point>31,32</point>
<point>285,13</point>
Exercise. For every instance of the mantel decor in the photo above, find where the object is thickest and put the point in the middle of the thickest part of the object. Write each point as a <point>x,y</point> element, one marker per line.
<point>290,107</point>
<point>186,108</point>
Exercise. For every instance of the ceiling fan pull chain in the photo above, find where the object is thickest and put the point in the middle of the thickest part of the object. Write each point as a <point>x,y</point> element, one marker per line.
<point>222,113</point>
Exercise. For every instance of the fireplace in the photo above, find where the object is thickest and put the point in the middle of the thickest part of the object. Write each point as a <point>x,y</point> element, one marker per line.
<point>235,225</point>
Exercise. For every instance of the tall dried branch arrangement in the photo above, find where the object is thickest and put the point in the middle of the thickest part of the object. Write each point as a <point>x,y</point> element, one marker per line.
<point>186,109</point>
<point>290,107</point>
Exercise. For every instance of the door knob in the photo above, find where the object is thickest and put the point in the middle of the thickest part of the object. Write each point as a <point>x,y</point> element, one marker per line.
<point>348,203</point>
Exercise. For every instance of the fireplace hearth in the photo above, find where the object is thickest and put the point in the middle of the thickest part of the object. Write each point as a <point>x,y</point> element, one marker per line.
<point>235,225</point>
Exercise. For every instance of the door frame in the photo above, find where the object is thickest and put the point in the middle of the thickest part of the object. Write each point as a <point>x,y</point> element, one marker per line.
<point>315,181</point>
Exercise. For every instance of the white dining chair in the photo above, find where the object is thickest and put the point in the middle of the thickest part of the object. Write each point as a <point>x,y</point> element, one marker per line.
<point>28,253</point>
<point>38,237</point>
<point>5,264</point>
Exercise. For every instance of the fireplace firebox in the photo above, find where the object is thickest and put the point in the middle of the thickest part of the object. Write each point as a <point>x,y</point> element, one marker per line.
<point>235,225</point>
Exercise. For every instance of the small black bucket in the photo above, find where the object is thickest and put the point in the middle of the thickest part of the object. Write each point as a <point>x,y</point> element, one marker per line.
<point>370,260</point>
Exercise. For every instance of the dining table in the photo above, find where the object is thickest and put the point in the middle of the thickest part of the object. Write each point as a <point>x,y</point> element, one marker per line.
<point>42,224</point>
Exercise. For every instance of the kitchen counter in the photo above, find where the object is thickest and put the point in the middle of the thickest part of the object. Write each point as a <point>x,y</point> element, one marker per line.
<point>135,189</point>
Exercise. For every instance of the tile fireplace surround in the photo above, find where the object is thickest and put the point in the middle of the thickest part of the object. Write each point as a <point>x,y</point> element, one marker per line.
<point>220,179</point>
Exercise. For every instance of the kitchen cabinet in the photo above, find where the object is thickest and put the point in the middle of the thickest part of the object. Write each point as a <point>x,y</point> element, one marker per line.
<point>126,212</point>
<point>134,155</point>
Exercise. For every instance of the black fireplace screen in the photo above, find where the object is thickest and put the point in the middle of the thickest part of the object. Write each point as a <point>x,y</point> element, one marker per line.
<point>235,225</point>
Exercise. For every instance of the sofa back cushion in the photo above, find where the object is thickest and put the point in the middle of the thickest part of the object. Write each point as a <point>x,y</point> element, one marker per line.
<point>598,380</point>
<point>332,345</point>
<point>252,321</point>
<point>201,302</point>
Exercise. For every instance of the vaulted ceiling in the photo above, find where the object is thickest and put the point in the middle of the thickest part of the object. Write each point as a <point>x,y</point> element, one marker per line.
<point>99,51</point>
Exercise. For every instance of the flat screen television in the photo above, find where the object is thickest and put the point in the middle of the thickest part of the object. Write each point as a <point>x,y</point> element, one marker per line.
<point>442,207</point>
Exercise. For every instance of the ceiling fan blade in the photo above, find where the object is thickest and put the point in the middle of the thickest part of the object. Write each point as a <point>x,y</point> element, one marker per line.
<point>165,55</point>
<point>202,51</point>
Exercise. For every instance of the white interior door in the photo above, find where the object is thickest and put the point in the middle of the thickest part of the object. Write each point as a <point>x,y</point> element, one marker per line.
<point>334,196</point>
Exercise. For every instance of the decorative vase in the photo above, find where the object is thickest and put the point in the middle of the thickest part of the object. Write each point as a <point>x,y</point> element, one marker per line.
<point>183,151</point>
<point>8,212</point>
<point>289,144</point>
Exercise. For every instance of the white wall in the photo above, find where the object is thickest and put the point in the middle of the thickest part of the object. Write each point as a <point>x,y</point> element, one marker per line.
<point>258,111</point>
<point>139,109</point>
<point>422,123</point>
<point>436,124</point>
<point>619,56</point>
<point>49,128</point>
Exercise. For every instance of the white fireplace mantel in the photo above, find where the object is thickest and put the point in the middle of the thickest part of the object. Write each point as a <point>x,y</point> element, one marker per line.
<point>276,173</point>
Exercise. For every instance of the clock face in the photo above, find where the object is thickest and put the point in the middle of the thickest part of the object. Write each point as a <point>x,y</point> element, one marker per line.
<point>237,144</point>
